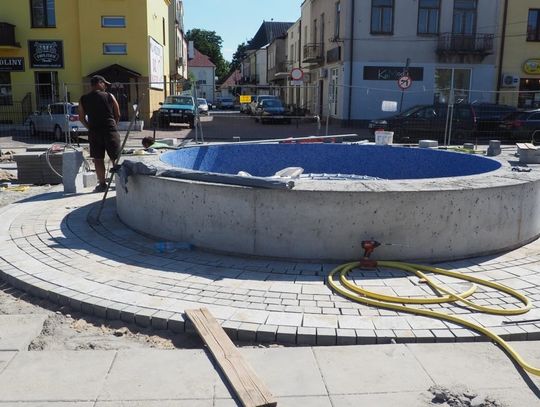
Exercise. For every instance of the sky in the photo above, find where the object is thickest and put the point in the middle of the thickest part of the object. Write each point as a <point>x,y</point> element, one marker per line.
<point>237,21</point>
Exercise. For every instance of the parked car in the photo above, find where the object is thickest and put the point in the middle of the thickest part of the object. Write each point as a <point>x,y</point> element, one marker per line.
<point>177,109</point>
<point>490,116</point>
<point>202,104</point>
<point>256,100</point>
<point>469,122</point>
<point>272,110</point>
<point>56,119</point>
<point>522,125</point>
<point>226,103</point>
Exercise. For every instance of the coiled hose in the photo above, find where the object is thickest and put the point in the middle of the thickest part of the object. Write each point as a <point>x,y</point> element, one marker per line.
<point>356,293</point>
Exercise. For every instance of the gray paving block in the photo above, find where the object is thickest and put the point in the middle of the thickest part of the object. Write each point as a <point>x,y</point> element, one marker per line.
<point>52,376</point>
<point>17,331</point>
<point>160,320</point>
<point>384,336</point>
<point>143,317</point>
<point>306,336</point>
<point>267,333</point>
<point>326,336</point>
<point>365,337</point>
<point>156,375</point>
<point>286,334</point>
<point>346,336</point>
<point>339,367</point>
<point>176,323</point>
<point>247,332</point>
<point>127,314</point>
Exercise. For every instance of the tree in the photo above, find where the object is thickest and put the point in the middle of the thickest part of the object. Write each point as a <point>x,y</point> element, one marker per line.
<point>209,44</point>
<point>238,56</point>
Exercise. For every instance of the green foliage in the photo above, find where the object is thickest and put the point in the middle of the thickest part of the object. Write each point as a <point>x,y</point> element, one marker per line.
<point>209,44</point>
<point>238,56</point>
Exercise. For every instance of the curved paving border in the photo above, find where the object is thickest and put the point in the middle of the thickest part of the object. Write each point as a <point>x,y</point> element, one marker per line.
<point>48,248</point>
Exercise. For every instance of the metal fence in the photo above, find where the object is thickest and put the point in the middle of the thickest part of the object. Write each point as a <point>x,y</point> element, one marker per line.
<point>46,113</point>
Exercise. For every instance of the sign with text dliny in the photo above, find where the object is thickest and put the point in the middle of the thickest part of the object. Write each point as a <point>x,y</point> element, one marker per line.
<point>46,54</point>
<point>11,64</point>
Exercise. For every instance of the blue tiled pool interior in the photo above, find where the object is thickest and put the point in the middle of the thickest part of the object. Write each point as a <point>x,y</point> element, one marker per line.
<point>385,162</point>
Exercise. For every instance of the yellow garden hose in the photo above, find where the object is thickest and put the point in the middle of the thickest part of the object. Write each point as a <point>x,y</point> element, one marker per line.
<point>356,293</point>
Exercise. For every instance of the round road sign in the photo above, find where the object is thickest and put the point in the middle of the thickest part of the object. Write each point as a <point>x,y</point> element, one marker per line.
<point>405,82</point>
<point>297,74</point>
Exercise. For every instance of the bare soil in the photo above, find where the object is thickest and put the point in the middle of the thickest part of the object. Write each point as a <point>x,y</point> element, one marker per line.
<point>67,330</point>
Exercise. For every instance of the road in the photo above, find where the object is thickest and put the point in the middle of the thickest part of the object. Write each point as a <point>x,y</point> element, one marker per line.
<point>217,126</point>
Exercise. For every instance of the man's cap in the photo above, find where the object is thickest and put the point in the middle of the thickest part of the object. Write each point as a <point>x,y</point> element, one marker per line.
<point>97,79</point>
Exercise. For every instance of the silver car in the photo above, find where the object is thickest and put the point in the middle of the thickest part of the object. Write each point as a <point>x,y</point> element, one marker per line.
<point>202,104</point>
<point>56,119</point>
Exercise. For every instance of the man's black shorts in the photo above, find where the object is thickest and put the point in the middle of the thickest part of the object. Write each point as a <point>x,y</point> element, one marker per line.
<point>104,140</point>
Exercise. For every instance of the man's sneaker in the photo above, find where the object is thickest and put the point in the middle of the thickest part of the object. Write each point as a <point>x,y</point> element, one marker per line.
<point>100,188</point>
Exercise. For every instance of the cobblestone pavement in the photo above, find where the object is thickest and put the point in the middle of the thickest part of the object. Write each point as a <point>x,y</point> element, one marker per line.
<point>48,247</point>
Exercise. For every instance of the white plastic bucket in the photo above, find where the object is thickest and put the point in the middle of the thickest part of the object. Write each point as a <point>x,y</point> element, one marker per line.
<point>384,137</point>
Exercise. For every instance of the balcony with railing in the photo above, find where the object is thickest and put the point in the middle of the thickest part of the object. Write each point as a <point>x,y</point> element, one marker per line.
<point>313,54</point>
<point>7,36</point>
<point>465,44</point>
<point>280,70</point>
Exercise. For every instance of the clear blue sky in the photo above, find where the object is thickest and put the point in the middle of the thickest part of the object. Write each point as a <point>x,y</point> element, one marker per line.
<point>237,21</point>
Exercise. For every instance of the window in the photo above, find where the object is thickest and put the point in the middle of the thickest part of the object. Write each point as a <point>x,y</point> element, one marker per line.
<point>533,25</point>
<point>6,97</point>
<point>113,21</point>
<point>457,79</point>
<point>464,17</point>
<point>115,49</point>
<point>428,17</point>
<point>337,20</point>
<point>42,12</point>
<point>382,16</point>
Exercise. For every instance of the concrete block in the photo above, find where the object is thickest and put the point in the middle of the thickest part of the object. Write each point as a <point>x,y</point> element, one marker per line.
<point>176,323</point>
<point>266,333</point>
<point>247,332</point>
<point>72,176</point>
<point>346,336</point>
<point>326,336</point>
<point>428,144</point>
<point>306,336</point>
<point>286,334</point>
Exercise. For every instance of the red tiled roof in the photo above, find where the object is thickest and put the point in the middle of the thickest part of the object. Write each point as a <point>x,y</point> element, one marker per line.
<point>200,61</point>
<point>233,79</point>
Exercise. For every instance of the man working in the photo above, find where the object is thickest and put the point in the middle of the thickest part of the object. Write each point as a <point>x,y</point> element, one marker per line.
<point>100,113</point>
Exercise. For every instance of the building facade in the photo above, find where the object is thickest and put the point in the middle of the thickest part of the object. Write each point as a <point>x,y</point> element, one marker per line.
<point>204,74</point>
<point>49,49</point>
<point>354,53</point>
<point>519,74</point>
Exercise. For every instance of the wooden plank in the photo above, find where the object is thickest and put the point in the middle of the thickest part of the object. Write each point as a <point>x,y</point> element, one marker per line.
<point>251,391</point>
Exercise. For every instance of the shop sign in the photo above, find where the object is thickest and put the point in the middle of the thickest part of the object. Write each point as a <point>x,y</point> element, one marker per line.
<point>532,66</point>
<point>392,73</point>
<point>11,64</point>
<point>46,54</point>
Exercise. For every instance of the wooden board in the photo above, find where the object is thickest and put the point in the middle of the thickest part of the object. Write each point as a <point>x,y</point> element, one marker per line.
<point>251,391</point>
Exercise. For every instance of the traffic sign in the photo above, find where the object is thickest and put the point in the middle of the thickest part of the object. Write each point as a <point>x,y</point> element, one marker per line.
<point>245,98</point>
<point>297,74</point>
<point>405,82</point>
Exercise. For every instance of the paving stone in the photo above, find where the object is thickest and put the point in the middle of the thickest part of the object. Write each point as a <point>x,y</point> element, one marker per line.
<point>320,321</point>
<point>286,334</point>
<point>346,336</point>
<point>267,333</point>
<point>326,336</point>
<point>365,337</point>
<point>443,335</point>
<point>247,332</point>
<point>176,323</point>
<point>384,336</point>
<point>285,319</point>
<point>306,336</point>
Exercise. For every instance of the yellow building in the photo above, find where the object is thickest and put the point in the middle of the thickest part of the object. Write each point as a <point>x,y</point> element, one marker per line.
<point>49,49</point>
<point>520,54</point>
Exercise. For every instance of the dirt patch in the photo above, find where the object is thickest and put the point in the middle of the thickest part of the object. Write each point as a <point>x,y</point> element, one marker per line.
<point>68,330</point>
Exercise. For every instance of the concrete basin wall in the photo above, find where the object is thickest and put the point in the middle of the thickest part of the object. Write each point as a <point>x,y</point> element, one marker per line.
<point>436,219</point>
